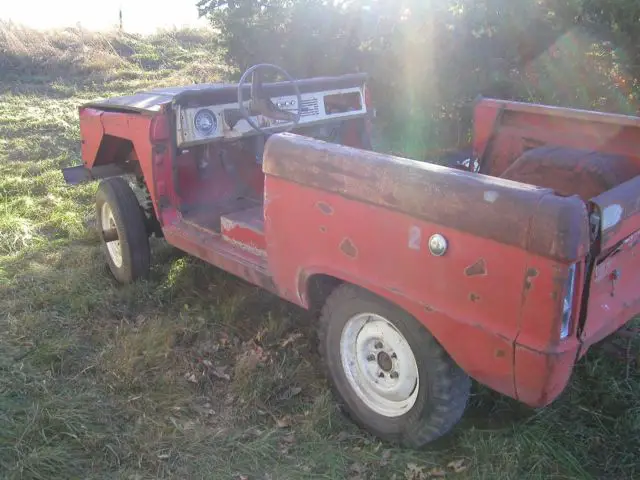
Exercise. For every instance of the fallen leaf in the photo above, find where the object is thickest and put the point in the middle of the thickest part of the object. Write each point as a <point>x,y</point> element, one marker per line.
<point>457,466</point>
<point>342,436</point>
<point>283,422</point>
<point>414,472</point>
<point>290,339</point>
<point>290,438</point>
<point>436,472</point>
<point>357,471</point>
<point>191,377</point>
<point>207,363</point>
<point>384,460</point>
<point>290,393</point>
<point>163,456</point>
<point>243,477</point>
<point>220,372</point>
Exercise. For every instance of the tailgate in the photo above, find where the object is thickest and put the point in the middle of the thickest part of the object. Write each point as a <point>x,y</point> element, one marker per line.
<point>614,291</point>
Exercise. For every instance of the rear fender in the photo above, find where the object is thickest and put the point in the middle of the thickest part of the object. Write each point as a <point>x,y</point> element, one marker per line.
<point>116,142</point>
<point>491,364</point>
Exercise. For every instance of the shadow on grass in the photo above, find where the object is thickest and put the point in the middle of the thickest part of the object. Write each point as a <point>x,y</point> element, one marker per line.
<point>195,373</point>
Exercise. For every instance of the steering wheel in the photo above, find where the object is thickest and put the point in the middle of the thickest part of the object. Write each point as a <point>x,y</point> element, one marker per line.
<point>261,104</point>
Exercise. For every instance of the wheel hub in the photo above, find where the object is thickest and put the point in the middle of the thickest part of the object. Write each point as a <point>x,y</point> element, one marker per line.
<point>384,361</point>
<point>379,364</point>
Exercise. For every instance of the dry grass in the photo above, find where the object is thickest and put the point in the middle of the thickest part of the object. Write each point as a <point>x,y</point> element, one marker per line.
<point>195,374</point>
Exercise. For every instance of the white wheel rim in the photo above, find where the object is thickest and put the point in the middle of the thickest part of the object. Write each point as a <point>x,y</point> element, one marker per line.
<point>113,248</point>
<point>379,364</point>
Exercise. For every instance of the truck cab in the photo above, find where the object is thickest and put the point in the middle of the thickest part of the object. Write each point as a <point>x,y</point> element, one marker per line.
<point>503,268</point>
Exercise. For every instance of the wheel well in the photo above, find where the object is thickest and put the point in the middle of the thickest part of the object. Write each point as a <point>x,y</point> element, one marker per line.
<point>319,287</point>
<point>114,150</point>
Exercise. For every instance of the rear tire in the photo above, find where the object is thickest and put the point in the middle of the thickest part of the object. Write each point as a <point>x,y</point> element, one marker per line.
<point>391,375</point>
<point>117,207</point>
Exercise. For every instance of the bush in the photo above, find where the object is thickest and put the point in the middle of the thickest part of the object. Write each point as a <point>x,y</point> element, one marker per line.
<point>429,59</point>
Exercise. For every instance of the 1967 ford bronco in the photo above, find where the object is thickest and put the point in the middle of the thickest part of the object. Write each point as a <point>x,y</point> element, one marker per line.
<point>504,268</point>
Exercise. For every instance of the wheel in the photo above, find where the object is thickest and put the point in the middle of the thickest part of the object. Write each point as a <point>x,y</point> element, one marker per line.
<point>570,171</point>
<point>127,253</point>
<point>391,376</point>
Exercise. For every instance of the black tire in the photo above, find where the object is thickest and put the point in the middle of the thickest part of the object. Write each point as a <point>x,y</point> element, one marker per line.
<point>443,388</point>
<point>132,233</point>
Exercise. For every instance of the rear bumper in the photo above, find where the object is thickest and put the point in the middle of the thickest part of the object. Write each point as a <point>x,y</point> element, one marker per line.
<point>80,173</point>
<point>541,376</point>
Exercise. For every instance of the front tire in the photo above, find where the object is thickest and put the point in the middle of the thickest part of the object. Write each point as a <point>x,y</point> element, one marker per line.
<point>392,377</point>
<point>117,207</point>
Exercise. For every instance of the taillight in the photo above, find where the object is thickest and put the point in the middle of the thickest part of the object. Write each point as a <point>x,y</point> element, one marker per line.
<point>568,302</point>
<point>160,128</point>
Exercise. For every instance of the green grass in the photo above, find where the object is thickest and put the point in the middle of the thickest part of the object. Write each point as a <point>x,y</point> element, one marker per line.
<point>195,374</point>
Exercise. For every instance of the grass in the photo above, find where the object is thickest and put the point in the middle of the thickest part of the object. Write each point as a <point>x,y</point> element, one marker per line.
<point>195,374</point>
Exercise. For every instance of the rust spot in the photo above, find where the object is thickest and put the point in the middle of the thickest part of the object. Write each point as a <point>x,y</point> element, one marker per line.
<point>323,229</point>
<point>428,308</point>
<point>390,198</point>
<point>477,269</point>
<point>324,208</point>
<point>348,248</point>
<point>500,353</point>
<point>474,297</point>
<point>531,274</point>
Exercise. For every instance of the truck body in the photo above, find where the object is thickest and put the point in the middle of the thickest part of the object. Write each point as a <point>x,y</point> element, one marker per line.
<point>516,261</point>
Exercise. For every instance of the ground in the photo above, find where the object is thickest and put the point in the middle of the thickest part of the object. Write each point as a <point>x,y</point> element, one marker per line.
<point>196,374</point>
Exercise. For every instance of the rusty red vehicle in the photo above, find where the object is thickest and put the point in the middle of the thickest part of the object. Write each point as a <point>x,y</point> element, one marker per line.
<point>504,268</point>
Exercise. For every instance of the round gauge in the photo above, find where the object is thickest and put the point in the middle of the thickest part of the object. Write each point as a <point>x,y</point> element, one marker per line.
<point>205,122</point>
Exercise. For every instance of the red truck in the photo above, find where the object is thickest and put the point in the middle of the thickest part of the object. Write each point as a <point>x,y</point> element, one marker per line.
<point>504,268</point>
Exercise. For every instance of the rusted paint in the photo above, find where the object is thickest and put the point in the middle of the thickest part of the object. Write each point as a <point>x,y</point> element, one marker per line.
<point>415,237</point>
<point>623,202</point>
<point>323,229</point>
<point>447,197</point>
<point>217,251</point>
<point>428,308</point>
<point>474,297</point>
<point>479,268</point>
<point>529,275</point>
<point>348,248</point>
<point>324,208</point>
<point>500,353</point>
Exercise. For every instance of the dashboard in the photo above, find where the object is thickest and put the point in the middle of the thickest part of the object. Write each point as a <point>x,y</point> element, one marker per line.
<point>219,122</point>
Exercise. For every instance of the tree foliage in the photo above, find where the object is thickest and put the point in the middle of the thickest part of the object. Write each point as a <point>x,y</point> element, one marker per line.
<point>429,59</point>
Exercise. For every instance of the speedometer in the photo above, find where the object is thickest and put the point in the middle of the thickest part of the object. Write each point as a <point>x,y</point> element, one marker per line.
<point>205,122</point>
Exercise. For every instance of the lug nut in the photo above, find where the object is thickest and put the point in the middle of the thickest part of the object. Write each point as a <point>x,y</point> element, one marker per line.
<point>381,375</point>
<point>393,355</point>
<point>394,375</point>
<point>379,345</point>
<point>371,357</point>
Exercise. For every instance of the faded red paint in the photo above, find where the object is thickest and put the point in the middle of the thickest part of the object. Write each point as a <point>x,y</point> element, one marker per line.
<point>246,229</point>
<point>494,300</point>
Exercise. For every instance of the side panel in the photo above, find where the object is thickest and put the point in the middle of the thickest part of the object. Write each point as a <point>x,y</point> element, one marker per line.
<point>366,218</point>
<point>466,298</point>
<point>614,296</point>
